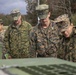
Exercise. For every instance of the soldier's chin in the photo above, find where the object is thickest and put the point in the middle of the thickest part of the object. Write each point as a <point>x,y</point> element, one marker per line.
<point>67,36</point>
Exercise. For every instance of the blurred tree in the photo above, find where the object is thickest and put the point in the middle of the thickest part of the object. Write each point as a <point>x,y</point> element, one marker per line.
<point>31,13</point>
<point>6,19</point>
<point>73,6</point>
<point>57,7</point>
<point>74,19</point>
<point>43,1</point>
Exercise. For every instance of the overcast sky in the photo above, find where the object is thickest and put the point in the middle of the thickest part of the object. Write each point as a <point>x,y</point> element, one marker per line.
<point>7,5</point>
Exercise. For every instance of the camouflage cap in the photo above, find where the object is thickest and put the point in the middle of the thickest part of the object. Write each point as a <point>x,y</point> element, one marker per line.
<point>64,25</point>
<point>42,11</point>
<point>1,21</point>
<point>63,22</point>
<point>63,17</point>
<point>15,14</point>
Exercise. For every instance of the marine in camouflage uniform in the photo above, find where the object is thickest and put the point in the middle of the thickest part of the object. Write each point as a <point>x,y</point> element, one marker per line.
<point>17,37</point>
<point>2,31</point>
<point>44,36</point>
<point>58,21</point>
<point>67,49</point>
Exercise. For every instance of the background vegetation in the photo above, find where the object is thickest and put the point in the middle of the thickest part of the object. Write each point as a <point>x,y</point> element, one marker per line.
<point>57,7</point>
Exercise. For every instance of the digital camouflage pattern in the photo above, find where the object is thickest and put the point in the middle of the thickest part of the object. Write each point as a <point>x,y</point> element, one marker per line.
<point>44,42</point>
<point>42,10</point>
<point>2,31</point>
<point>15,13</point>
<point>2,43</point>
<point>60,18</point>
<point>62,22</point>
<point>1,36</point>
<point>17,40</point>
<point>67,49</point>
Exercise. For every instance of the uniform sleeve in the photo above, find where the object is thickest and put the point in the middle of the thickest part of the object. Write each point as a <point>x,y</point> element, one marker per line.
<point>32,44</point>
<point>30,26</point>
<point>57,37</point>
<point>74,50</point>
<point>60,52</point>
<point>6,44</point>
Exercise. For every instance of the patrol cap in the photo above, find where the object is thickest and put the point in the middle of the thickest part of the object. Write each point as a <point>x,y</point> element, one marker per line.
<point>1,21</point>
<point>63,17</point>
<point>63,22</point>
<point>42,11</point>
<point>64,25</point>
<point>15,14</point>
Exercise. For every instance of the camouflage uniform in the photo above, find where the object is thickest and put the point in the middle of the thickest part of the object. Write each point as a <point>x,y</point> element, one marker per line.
<point>1,39</point>
<point>17,40</point>
<point>67,46</point>
<point>44,42</point>
<point>1,33</point>
<point>67,49</point>
<point>59,21</point>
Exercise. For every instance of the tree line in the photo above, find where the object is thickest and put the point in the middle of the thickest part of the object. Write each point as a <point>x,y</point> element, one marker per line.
<point>57,7</point>
<point>7,19</point>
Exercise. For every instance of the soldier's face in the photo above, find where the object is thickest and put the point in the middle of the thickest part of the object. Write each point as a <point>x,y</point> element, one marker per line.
<point>67,32</point>
<point>1,25</point>
<point>18,22</point>
<point>45,21</point>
